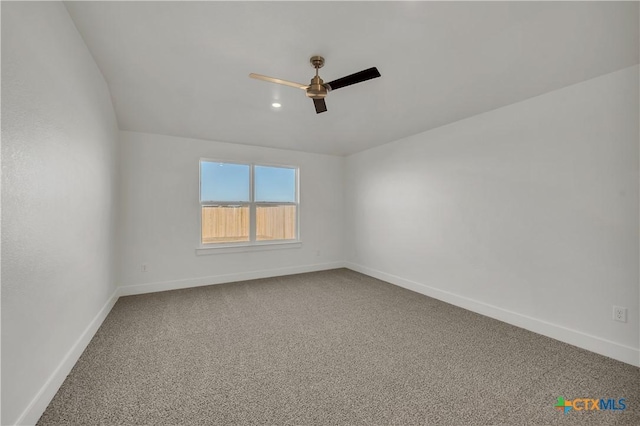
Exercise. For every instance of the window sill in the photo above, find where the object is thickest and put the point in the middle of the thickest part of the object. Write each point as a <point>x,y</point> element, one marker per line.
<point>242,248</point>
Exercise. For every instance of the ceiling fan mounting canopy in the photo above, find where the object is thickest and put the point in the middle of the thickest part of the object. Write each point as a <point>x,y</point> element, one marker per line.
<point>317,61</point>
<point>317,89</point>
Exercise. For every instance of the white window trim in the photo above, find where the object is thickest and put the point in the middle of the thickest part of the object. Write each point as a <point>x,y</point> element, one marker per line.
<point>243,248</point>
<point>252,244</point>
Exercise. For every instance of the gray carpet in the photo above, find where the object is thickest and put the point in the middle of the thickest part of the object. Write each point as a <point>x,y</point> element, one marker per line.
<point>327,348</point>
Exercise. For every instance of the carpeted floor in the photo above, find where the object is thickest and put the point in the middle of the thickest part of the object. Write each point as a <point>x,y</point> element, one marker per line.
<point>327,348</point>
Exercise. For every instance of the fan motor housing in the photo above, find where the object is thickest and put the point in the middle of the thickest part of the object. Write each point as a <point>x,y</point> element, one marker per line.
<point>316,89</point>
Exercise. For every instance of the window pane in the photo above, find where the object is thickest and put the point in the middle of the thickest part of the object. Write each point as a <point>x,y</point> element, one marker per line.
<point>225,224</point>
<point>275,184</point>
<point>224,181</point>
<point>276,223</point>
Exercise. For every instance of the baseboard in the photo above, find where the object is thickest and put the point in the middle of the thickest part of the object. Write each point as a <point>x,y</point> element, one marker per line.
<point>39,403</point>
<point>582,340</point>
<point>129,290</point>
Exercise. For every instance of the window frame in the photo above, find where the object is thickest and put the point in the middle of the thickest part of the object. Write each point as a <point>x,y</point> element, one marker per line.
<point>253,243</point>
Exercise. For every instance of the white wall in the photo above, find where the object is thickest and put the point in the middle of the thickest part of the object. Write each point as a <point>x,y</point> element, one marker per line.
<point>528,213</point>
<point>59,142</point>
<point>160,214</point>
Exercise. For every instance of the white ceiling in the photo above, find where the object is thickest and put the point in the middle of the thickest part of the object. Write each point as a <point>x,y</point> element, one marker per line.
<point>181,68</point>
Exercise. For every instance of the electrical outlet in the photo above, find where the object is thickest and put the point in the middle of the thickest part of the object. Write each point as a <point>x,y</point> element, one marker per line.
<point>318,252</point>
<point>144,267</point>
<point>619,314</point>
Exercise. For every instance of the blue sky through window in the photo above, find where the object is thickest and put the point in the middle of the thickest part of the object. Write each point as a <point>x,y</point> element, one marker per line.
<point>229,182</point>
<point>224,182</point>
<point>275,184</point>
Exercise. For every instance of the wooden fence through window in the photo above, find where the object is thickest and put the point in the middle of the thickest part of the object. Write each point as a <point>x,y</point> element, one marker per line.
<point>231,224</point>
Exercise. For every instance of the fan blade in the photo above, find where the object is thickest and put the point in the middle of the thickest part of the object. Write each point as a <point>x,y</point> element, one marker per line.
<point>278,81</point>
<point>358,77</point>
<point>320,105</point>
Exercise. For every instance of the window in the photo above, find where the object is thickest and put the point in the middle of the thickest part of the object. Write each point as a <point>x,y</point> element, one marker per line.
<point>247,204</point>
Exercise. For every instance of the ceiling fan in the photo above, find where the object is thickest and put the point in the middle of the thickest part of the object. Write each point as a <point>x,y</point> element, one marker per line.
<point>318,89</point>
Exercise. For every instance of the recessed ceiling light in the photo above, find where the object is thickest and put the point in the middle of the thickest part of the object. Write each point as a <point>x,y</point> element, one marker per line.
<point>276,105</point>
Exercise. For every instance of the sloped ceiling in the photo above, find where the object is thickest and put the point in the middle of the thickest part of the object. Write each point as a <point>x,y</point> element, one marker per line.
<point>181,68</point>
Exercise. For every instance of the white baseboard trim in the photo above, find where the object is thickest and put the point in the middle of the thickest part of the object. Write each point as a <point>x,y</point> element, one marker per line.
<point>582,340</point>
<point>129,290</point>
<point>39,403</point>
